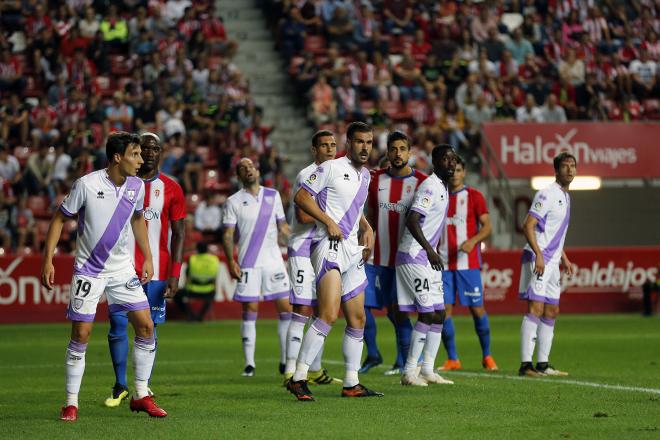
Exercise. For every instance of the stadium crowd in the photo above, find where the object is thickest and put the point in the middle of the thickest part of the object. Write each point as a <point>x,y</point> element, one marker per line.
<point>73,71</point>
<point>439,69</point>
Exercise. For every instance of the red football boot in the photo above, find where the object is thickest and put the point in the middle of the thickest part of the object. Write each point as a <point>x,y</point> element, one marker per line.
<point>69,413</point>
<point>147,405</point>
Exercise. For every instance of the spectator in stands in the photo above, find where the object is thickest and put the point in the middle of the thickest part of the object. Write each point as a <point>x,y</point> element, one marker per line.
<point>483,66</point>
<point>432,77</point>
<point>453,123</point>
<point>89,24</point>
<point>348,102</point>
<point>190,169</point>
<point>324,106</point>
<point>387,90</point>
<point>307,73</point>
<point>11,73</point>
<point>308,12</point>
<point>145,112</point>
<point>257,136</point>
<point>39,171</point>
<point>571,69</point>
<point>119,115</point>
<point>506,111</point>
<point>292,35</point>
<point>519,46</point>
<point>115,30</point>
<point>6,206</point>
<point>10,170</point>
<point>23,225</point>
<point>551,112</point>
<point>339,29</point>
<point>444,47</point>
<point>493,45</point>
<point>97,52</point>
<point>43,119</point>
<point>467,92</point>
<point>529,112</point>
<point>169,119</point>
<point>644,75</point>
<point>208,216</point>
<point>14,118</point>
<point>528,71</point>
<point>476,114</point>
<point>57,93</point>
<point>175,9</point>
<point>539,88</point>
<point>507,68</point>
<point>398,15</point>
<point>363,77</point>
<point>408,78</point>
<point>482,26</point>
<point>420,48</point>
<point>60,176</point>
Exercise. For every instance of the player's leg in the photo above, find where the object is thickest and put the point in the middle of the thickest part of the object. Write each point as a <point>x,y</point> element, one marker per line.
<point>118,343</point>
<point>546,328</point>
<point>301,296</point>
<point>372,300</point>
<point>434,335</point>
<point>470,290</point>
<point>295,333</point>
<point>403,331</point>
<point>276,287</point>
<point>249,335</point>
<point>284,321</point>
<point>530,289</point>
<point>448,330</point>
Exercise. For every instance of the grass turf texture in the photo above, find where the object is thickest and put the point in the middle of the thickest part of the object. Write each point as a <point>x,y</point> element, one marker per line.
<point>197,380</point>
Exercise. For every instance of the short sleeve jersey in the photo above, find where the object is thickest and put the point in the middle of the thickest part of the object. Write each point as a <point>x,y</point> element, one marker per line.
<point>163,203</point>
<point>465,208</point>
<point>552,208</point>
<point>104,228</point>
<point>256,220</point>
<point>431,202</point>
<point>301,233</point>
<point>340,191</point>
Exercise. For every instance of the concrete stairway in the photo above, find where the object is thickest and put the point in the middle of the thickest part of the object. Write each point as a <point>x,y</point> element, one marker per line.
<point>270,84</point>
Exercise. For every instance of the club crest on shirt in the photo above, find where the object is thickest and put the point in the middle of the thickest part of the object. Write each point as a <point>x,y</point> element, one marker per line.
<point>156,193</point>
<point>130,194</point>
<point>298,290</point>
<point>269,199</point>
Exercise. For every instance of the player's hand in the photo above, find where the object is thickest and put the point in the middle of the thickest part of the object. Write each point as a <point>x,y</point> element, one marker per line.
<point>172,287</point>
<point>539,265</point>
<point>435,260</point>
<point>568,267</point>
<point>147,272</point>
<point>334,233</point>
<point>48,275</point>
<point>467,246</point>
<point>367,240</point>
<point>234,269</point>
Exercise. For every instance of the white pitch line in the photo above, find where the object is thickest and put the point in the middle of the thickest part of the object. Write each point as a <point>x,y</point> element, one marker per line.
<point>539,379</point>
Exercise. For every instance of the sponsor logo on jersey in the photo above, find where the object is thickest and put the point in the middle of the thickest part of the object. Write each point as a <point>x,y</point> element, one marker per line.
<point>426,202</point>
<point>133,283</point>
<point>279,276</point>
<point>538,205</point>
<point>312,178</point>
<point>347,177</point>
<point>100,195</point>
<point>150,214</point>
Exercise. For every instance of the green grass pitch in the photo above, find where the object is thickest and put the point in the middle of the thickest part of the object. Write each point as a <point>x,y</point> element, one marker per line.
<point>197,380</point>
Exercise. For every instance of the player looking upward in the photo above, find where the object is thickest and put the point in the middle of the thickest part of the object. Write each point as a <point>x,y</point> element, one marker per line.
<point>257,212</point>
<point>468,224</point>
<point>164,213</point>
<point>418,268</point>
<point>390,195</point>
<point>334,195</point>
<point>545,229</point>
<point>108,203</point>
<point>301,272</point>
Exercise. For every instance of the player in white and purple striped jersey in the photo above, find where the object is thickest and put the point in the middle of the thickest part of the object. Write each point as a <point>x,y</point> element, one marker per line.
<point>334,195</point>
<point>108,204</point>
<point>418,268</point>
<point>540,276</point>
<point>301,272</point>
<point>257,213</point>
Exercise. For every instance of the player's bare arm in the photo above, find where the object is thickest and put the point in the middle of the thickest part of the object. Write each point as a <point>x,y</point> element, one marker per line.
<point>303,217</point>
<point>228,246</point>
<point>528,230</point>
<point>142,239</point>
<point>306,202</point>
<point>52,237</point>
<point>568,266</point>
<point>484,232</point>
<point>178,236</point>
<point>414,226</point>
<point>366,238</point>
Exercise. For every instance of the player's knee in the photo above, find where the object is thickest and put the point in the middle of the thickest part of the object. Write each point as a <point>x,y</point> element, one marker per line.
<point>536,308</point>
<point>477,311</point>
<point>551,311</point>
<point>81,334</point>
<point>439,317</point>
<point>425,318</point>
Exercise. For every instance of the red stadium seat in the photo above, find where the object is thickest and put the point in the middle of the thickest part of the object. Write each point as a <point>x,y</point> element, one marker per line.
<point>315,44</point>
<point>103,85</point>
<point>120,65</point>
<point>39,206</point>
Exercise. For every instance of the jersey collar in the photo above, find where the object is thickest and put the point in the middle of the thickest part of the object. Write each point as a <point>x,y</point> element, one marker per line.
<point>152,179</point>
<point>412,173</point>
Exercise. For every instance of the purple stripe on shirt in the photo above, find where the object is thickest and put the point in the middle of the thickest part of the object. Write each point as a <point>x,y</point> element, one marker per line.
<point>348,221</point>
<point>81,222</point>
<point>552,247</point>
<point>528,256</point>
<point>322,199</point>
<point>305,249</point>
<point>308,189</point>
<point>99,255</point>
<point>260,229</point>
<point>540,225</point>
<point>405,258</point>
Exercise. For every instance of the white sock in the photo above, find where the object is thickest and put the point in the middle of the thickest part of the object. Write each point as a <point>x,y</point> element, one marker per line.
<point>249,336</point>
<point>545,334</point>
<point>316,363</point>
<point>282,329</point>
<point>433,340</point>
<point>528,329</point>
<point>417,342</point>
<point>352,348</point>
<point>144,353</point>
<point>311,345</point>
<point>294,339</point>
<point>75,368</point>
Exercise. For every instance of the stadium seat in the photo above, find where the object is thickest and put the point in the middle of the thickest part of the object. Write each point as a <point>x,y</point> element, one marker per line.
<point>315,44</point>
<point>32,87</point>
<point>103,85</point>
<point>39,206</point>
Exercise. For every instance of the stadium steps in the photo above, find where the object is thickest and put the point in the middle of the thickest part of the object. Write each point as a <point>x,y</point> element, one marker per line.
<point>270,85</point>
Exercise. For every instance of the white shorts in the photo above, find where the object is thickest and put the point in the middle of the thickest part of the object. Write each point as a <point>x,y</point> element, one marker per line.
<point>545,288</point>
<point>303,283</point>
<point>263,283</point>
<point>344,257</point>
<point>124,293</point>
<point>419,288</point>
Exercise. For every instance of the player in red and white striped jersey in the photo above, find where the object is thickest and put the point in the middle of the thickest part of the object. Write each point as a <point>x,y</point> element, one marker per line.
<point>468,224</point>
<point>164,212</point>
<point>390,195</point>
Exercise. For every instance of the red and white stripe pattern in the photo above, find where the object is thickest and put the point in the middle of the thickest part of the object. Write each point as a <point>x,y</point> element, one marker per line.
<point>465,208</point>
<point>163,202</point>
<point>389,200</point>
